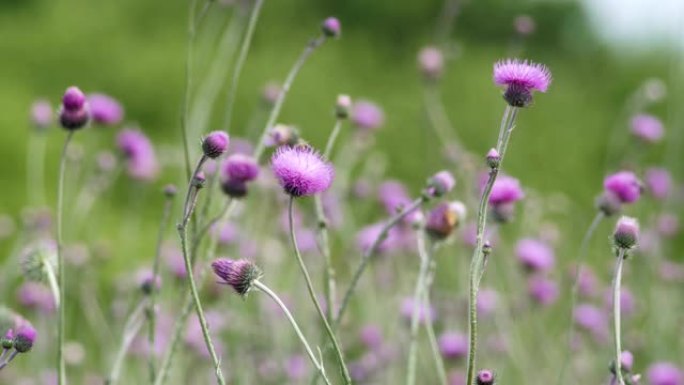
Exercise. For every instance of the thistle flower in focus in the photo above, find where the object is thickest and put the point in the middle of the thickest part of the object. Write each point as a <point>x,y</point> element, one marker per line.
<point>74,112</point>
<point>484,377</point>
<point>239,274</point>
<point>521,78</point>
<point>301,171</point>
<point>215,144</point>
<point>626,234</point>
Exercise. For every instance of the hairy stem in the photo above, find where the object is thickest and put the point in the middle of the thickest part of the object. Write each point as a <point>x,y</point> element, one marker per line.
<point>275,111</point>
<point>312,294</point>
<point>309,352</point>
<point>477,262</point>
<point>616,315</point>
<point>61,370</point>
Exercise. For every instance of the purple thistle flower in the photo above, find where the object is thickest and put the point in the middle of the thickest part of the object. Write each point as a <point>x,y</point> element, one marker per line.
<point>506,190</point>
<point>591,318</point>
<point>627,301</point>
<point>487,301</point>
<point>659,182</point>
<point>241,168</point>
<point>24,337</point>
<point>296,368</point>
<point>457,377</point>
<point>371,337</point>
<point>301,171</point>
<point>41,114</point>
<point>431,62</point>
<point>453,345</point>
<point>239,274</point>
<point>140,156</point>
<point>425,310</point>
<point>441,183</point>
<point>215,144</point>
<point>393,195</point>
<point>444,218</point>
<point>543,290</point>
<point>331,27</point>
<point>37,296</point>
<point>624,185</point>
<point>367,235</point>
<point>665,373</point>
<point>587,283</point>
<point>667,224</point>
<point>626,232</point>
<point>648,128</point>
<point>105,110</point>
<point>535,255</point>
<point>484,377</point>
<point>520,79</point>
<point>147,281</point>
<point>74,112</point>
<point>367,115</point>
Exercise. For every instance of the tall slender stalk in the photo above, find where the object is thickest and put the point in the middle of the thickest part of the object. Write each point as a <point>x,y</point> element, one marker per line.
<point>312,294</point>
<point>477,262</point>
<point>152,311</point>
<point>323,238</point>
<point>61,370</point>
<point>370,252</point>
<point>190,201</point>
<point>131,328</point>
<point>309,352</point>
<point>616,315</point>
<point>244,49</point>
<point>418,303</point>
<point>429,328</point>
<point>52,281</point>
<point>278,105</point>
<point>581,255</point>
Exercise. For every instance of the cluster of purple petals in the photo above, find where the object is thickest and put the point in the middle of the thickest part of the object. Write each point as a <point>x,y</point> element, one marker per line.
<point>141,160</point>
<point>105,110</point>
<point>535,255</point>
<point>624,185</point>
<point>301,171</point>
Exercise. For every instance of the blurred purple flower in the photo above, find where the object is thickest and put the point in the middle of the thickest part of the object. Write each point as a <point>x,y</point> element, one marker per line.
<point>105,110</point>
<point>647,128</point>
<point>535,255</point>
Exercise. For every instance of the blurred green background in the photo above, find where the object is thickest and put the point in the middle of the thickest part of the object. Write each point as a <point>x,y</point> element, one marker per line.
<point>136,50</point>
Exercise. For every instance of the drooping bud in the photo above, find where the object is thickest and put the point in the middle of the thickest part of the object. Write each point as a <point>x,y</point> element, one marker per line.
<point>239,274</point>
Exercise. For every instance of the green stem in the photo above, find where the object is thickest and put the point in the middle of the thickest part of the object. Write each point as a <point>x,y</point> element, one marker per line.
<point>275,111</point>
<point>323,236</point>
<point>476,265</point>
<point>312,294</point>
<point>616,315</point>
<point>52,281</point>
<point>133,325</point>
<point>429,328</point>
<point>370,252</point>
<point>61,370</point>
<point>9,359</point>
<point>581,255</point>
<point>418,295</point>
<point>152,311</point>
<point>244,49</point>
<point>309,352</point>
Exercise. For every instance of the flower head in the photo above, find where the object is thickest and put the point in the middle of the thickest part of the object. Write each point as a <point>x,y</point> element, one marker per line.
<point>505,190</point>
<point>239,274</point>
<point>441,183</point>
<point>301,170</point>
<point>521,78</point>
<point>444,218</point>
<point>331,27</point>
<point>542,290</point>
<point>484,377</point>
<point>367,115</point>
<point>647,128</point>
<point>535,255</point>
<point>659,182</point>
<point>41,114</point>
<point>105,110</point>
<point>626,232</point>
<point>431,62</point>
<point>215,144</point>
<point>139,153</point>
<point>74,112</point>
<point>239,167</point>
<point>343,106</point>
<point>24,337</point>
<point>665,373</point>
<point>453,345</point>
<point>625,185</point>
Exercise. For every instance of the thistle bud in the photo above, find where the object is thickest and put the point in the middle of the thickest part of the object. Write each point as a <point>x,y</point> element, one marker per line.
<point>608,203</point>
<point>331,27</point>
<point>493,159</point>
<point>239,274</point>
<point>26,336</point>
<point>73,113</point>
<point>170,191</point>
<point>199,180</point>
<point>215,144</point>
<point>234,188</point>
<point>444,218</point>
<point>626,233</point>
<point>484,377</point>
<point>441,183</point>
<point>343,106</point>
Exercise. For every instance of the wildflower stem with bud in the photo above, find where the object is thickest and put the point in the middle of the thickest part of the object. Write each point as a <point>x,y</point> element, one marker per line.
<point>307,347</point>
<point>190,202</point>
<point>312,294</point>
<point>323,237</point>
<point>61,370</point>
<point>616,315</point>
<point>278,105</point>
